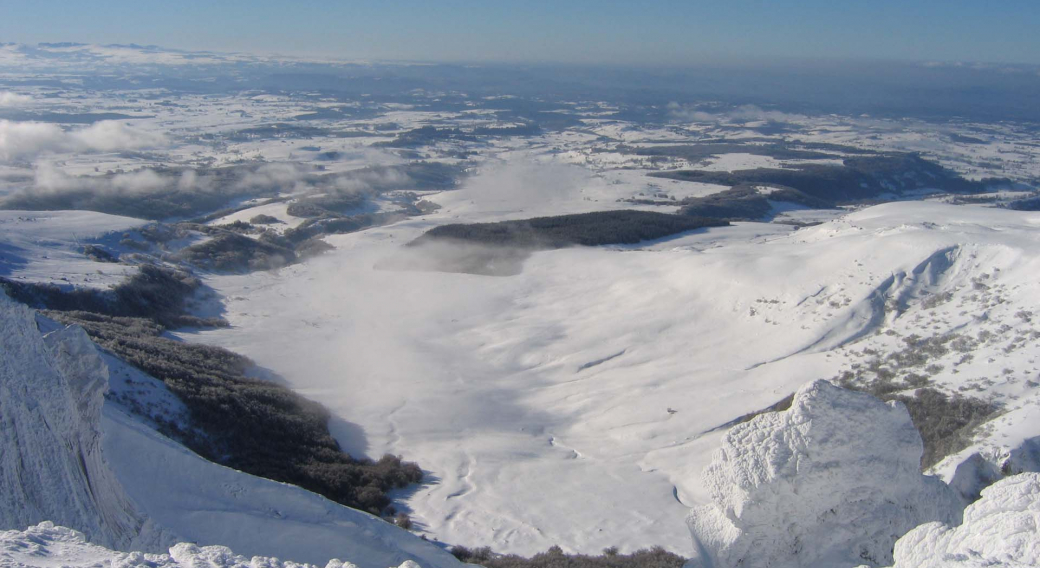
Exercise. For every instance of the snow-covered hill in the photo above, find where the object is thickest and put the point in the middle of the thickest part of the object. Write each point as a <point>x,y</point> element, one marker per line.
<point>66,459</point>
<point>47,246</point>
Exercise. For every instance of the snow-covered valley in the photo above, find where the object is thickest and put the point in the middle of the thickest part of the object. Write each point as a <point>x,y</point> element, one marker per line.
<point>602,371</point>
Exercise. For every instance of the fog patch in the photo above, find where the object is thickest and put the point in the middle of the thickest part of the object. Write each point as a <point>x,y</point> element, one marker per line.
<point>739,115</point>
<point>522,187</point>
<point>452,255</point>
<point>50,180</point>
<point>368,179</point>
<point>30,139</point>
<point>9,99</point>
<point>114,136</point>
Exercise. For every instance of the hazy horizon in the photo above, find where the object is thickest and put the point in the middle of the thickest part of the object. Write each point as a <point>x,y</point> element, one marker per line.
<point>664,33</point>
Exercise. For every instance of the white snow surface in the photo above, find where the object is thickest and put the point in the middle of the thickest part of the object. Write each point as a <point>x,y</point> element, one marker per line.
<point>68,456</point>
<point>833,481</point>
<point>531,397</point>
<point>47,246</point>
<point>209,504</point>
<point>48,546</point>
<point>1001,529</point>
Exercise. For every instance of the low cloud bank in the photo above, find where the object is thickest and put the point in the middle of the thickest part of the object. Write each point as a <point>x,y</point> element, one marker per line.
<point>29,139</point>
<point>741,114</point>
<point>9,99</point>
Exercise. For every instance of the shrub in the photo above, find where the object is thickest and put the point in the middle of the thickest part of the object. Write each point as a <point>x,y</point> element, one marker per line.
<point>231,252</point>
<point>263,219</point>
<point>402,520</point>
<point>554,557</point>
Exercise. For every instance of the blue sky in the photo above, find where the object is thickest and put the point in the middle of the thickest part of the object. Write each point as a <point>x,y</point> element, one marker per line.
<point>662,32</point>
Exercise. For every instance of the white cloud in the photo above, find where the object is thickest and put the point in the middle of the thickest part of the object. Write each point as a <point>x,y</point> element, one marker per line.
<point>744,113</point>
<point>360,181</point>
<point>29,139</point>
<point>113,136</point>
<point>51,180</point>
<point>9,99</point>
<point>281,175</point>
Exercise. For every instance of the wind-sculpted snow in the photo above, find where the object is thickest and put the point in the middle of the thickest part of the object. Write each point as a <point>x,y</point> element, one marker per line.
<point>51,465</point>
<point>46,545</point>
<point>1001,529</point>
<point>833,481</point>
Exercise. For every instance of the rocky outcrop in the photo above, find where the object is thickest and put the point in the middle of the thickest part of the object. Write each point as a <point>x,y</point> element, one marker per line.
<point>52,388</point>
<point>833,481</point>
<point>49,545</point>
<point>1000,529</point>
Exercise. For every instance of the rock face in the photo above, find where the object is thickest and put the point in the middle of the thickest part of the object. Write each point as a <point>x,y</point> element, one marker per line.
<point>1000,529</point>
<point>982,469</point>
<point>833,481</point>
<point>52,388</point>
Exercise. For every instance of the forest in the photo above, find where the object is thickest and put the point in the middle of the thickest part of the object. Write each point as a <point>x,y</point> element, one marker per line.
<point>584,229</point>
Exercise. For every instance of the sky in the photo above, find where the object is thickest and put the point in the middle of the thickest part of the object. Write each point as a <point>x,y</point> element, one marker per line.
<point>651,32</point>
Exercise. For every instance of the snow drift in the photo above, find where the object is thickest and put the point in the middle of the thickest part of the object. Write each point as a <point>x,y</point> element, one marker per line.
<point>1001,529</point>
<point>48,545</point>
<point>833,481</point>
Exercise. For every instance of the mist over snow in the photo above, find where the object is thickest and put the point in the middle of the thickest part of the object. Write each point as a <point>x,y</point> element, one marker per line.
<point>741,114</point>
<point>9,99</point>
<point>28,140</point>
<point>522,186</point>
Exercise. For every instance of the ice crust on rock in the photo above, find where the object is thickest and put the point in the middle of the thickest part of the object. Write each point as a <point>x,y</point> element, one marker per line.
<point>979,470</point>
<point>1000,529</point>
<point>52,389</point>
<point>833,481</point>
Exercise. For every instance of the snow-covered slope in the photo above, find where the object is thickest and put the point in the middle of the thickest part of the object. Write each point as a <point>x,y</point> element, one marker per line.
<point>833,481</point>
<point>128,487</point>
<point>46,545</point>
<point>47,246</point>
<point>1001,529</point>
<point>209,504</point>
